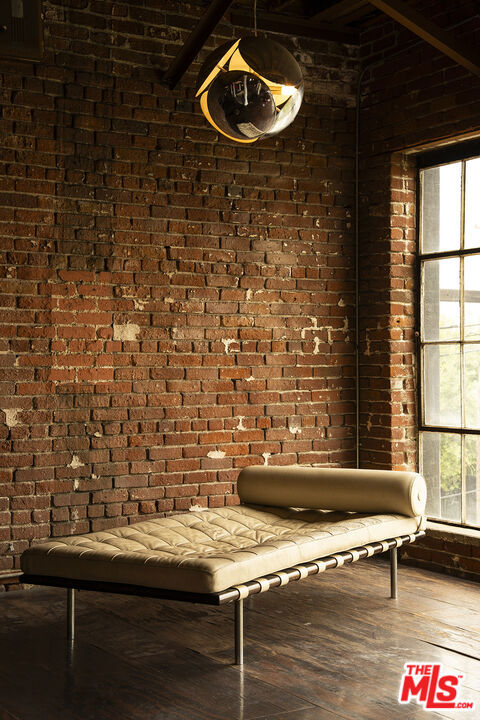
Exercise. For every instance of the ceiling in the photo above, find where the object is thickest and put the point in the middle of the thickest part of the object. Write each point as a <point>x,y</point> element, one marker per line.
<point>330,19</point>
<point>339,20</point>
<point>344,20</point>
<point>352,14</point>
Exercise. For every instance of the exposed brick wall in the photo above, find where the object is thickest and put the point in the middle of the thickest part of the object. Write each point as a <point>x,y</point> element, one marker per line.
<point>175,306</point>
<point>449,553</point>
<point>415,98</point>
<point>387,315</point>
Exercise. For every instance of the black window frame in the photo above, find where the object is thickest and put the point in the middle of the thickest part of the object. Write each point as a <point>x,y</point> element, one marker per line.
<point>460,151</point>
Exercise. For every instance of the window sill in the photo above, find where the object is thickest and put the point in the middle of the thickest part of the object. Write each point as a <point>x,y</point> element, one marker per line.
<point>453,533</point>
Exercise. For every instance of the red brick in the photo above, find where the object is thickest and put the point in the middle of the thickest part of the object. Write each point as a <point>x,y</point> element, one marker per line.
<point>141,229</point>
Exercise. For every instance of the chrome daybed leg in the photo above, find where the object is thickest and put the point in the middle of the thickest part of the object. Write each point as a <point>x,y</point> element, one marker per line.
<point>70,615</point>
<point>393,572</point>
<point>239,632</point>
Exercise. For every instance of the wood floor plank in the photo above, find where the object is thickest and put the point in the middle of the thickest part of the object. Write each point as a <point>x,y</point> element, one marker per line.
<point>39,684</point>
<point>330,648</point>
<point>309,714</point>
<point>321,714</point>
<point>384,615</point>
<point>4,715</point>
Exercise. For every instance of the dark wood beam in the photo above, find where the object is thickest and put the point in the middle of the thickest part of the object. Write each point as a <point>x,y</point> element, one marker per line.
<point>336,9</point>
<point>195,42</point>
<point>277,5</point>
<point>296,26</point>
<point>430,32</point>
<point>449,152</point>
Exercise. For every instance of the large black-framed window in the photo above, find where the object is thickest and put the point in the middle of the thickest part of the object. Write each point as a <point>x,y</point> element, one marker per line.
<point>449,265</point>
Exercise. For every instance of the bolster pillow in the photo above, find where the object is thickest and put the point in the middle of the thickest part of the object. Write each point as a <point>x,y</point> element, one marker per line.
<point>372,491</point>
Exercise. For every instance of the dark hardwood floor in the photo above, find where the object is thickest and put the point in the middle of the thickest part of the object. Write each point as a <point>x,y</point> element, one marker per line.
<point>328,648</point>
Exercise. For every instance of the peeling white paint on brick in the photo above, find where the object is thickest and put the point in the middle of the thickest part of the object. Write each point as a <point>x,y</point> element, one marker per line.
<point>316,347</point>
<point>240,425</point>
<point>266,456</point>
<point>11,417</point>
<point>341,302</point>
<point>139,304</point>
<point>97,434</point>
<point>249,379</point>
<point>249,294</point>
<point>367,339</point>
<point>227,342</point>
<point>216,454</point>
<point>300,55</point>
<point>76,483</point>
<point>313,326</point>
<point>197,508</point>
<point>76,462</point>
<point>129,331</point>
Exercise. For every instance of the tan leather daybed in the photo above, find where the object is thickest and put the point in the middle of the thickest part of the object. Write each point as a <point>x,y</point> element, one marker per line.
<point>292,522</point>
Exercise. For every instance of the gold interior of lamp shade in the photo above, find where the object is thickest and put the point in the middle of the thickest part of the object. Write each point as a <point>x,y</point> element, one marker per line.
<point>250,88</point>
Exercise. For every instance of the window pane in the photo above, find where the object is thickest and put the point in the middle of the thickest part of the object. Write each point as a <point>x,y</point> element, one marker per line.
<point>441,300</point>
<point>441,208</point>
<point>472,296</point>
<point>442,469</point>
<point>441,385</point>
<point>472,386</point>
<point>450,340</point>
<point>472,203</point>
<point>472,471</point>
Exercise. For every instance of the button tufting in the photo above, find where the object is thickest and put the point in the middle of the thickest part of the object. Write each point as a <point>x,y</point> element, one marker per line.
<point>213,550</point>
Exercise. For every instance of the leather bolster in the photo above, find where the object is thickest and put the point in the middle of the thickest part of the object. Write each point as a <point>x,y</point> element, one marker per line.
<point>373,491</point>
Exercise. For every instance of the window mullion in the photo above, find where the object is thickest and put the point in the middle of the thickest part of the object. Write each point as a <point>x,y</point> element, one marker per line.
<point>463,506</point>
<point>462,343</point>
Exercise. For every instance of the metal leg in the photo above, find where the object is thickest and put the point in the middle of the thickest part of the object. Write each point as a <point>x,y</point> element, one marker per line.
<point>239,632</point>
<point>393,572</point>
<point>70,615</point>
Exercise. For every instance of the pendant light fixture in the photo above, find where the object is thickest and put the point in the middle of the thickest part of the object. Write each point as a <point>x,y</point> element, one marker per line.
<point>250,88</point>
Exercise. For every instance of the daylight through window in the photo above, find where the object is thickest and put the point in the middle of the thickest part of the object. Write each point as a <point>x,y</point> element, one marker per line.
<point>450,339</point>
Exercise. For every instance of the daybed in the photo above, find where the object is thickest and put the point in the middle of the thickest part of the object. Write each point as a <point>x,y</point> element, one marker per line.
<point>292,522</point>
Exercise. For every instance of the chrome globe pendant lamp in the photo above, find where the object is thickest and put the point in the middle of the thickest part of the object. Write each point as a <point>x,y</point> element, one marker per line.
<point>250,88</point>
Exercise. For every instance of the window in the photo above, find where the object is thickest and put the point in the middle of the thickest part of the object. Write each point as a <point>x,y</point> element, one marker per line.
<point>450,339</point>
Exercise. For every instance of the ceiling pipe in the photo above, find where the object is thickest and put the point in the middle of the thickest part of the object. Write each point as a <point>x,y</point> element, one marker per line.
<point>195,42</point>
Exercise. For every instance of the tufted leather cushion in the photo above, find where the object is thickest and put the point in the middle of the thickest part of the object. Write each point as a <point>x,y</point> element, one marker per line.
<point>211,550</point>
<point>369,491</point>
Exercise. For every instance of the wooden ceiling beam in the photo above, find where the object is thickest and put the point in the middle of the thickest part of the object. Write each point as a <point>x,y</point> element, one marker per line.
<point>195,41</point>
<point>430,32</point>
<point>277,5</point>
<point>334,10</point>
<point>296,26</point>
